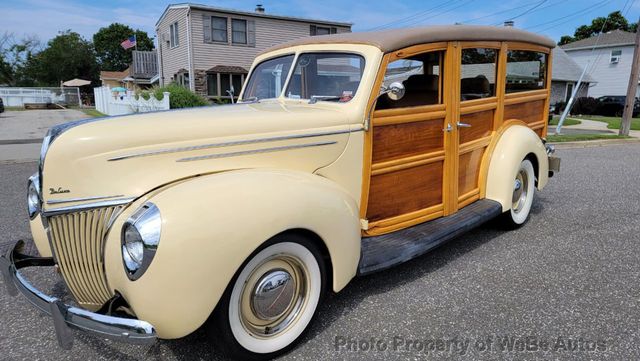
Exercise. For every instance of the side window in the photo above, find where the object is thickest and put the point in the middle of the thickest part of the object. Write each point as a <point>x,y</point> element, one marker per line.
<point>422,79</point>
<point>478,73</point>
<point>526,70</point>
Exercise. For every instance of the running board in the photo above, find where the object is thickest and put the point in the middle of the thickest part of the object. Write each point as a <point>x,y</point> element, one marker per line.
<point>381,252</point>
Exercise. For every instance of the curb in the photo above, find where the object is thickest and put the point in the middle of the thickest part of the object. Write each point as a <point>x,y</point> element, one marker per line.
<point>594,143</point>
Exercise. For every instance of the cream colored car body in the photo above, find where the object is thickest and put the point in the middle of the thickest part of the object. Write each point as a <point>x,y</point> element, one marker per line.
<point>227,179</point>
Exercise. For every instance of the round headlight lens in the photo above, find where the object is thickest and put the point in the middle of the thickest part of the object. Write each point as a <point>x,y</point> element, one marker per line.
<point>133,248</point>
<point>140,238</point>
<point>33,199</point>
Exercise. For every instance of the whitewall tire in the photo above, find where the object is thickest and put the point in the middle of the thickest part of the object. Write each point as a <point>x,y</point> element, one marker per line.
<point>272,299</point>
<point>522,197</point>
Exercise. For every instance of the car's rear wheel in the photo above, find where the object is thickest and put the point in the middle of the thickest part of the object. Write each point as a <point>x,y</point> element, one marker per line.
<point>522,197</point>
<point>271,301</point>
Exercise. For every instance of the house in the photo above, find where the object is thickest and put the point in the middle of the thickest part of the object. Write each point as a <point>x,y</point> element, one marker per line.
<point>141,74</point>
<point>565,75</point>
<point>610,61</point>
<point>210,49</point>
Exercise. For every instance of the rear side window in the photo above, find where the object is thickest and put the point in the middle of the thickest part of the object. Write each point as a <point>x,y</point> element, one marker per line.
<point>478,73</point>
<point>526,70</point>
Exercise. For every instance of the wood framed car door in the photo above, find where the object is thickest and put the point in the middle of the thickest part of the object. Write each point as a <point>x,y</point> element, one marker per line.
<point>478,92</point>
<point>407,142</point>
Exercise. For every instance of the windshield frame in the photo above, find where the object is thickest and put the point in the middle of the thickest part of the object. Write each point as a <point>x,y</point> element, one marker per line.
<point>296,54</point>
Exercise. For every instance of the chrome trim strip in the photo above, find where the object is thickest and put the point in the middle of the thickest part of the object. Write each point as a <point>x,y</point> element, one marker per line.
<point>232,143</point>
<point>255,151</point>
<point>70,200</point>
<point>87,206</point>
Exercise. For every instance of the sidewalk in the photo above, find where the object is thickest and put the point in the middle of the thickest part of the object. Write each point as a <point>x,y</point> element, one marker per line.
<point>592,126</point>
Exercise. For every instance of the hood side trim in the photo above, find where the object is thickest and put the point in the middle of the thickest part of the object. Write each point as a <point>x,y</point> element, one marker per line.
<point>255,151</point>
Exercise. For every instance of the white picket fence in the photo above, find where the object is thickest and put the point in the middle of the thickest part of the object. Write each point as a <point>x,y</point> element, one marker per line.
<point>18,97</point>
<point>115,103</point>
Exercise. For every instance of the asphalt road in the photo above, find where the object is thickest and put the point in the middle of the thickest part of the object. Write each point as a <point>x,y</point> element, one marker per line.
<point>565,286</point>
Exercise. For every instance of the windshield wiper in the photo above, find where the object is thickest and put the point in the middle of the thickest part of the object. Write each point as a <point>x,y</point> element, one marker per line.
<point>314,98</point>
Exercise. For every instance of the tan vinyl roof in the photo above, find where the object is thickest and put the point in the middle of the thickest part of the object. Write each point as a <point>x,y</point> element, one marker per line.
<point>394,39</point>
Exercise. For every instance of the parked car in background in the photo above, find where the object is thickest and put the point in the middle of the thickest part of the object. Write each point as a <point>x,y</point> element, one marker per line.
<point>613,106</point>
<point>346,155</point>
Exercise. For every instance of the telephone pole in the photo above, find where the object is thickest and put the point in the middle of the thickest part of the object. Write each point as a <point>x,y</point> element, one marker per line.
<point>627,113</point>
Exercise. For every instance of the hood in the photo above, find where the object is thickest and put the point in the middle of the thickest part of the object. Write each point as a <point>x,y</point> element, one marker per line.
<point>127,156</point>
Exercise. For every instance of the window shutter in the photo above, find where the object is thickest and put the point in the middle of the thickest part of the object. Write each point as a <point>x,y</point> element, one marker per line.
<point>334,31</point>
<point>206,28</point>
<point>251,32</point>
<point>313,30</point>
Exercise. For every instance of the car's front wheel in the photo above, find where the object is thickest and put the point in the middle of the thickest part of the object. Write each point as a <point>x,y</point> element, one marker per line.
<point>522,197</point>
<point>271,301</point>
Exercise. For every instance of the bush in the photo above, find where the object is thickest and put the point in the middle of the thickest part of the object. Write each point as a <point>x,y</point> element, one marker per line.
<point>585,106</point>
<point>180,97</point>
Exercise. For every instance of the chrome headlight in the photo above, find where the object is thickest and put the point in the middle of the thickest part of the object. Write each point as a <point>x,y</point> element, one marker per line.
<point>140,238</point>
<point>33,196</point>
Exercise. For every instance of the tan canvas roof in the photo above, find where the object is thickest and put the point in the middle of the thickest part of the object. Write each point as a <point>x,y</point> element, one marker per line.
<point>394,39</point>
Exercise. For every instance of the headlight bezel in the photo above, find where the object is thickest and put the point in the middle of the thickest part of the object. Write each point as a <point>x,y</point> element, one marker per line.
<point>140,234</point>
<point>34,198</point>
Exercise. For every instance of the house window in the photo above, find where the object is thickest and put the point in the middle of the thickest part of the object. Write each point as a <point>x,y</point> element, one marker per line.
<point>615,56</point>
<point>219,29</point>
<point>174,39</point>
<point>183,79</point>
<point>478,73</point>
<point>526,70</point>
<point>218,84</point>
<point>239,31</point>
<point>322,30</point>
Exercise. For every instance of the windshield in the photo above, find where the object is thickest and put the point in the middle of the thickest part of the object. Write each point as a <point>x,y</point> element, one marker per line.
<point>326,76</point>
<point>267,79</point>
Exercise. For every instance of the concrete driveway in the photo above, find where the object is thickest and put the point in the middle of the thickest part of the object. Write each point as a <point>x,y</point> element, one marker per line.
<point>565,286</point>
<point>21,132</point>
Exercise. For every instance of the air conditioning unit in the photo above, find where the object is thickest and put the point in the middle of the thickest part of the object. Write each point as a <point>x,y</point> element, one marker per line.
<point>615,60</point>
<point>615,56</point>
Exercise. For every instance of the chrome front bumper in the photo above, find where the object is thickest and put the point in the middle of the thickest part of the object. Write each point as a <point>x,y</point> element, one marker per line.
<point>67,317</point>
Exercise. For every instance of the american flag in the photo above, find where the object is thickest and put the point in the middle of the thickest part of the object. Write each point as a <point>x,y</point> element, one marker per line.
<point>129,43</point>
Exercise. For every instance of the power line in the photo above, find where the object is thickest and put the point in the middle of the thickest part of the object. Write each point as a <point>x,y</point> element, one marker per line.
<point>440,13</point>
<point>411,17</point>
<point>529,10</point>
<point>494,14</point>
<point>570,16</point>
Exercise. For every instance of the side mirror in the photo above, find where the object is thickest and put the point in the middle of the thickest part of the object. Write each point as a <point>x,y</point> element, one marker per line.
<point>395,91</point>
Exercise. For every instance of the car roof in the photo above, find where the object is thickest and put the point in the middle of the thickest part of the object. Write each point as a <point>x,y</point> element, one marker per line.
<point>395,39</point>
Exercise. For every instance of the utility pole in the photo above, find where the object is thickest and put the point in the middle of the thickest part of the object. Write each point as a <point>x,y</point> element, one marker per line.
<point>627,113</point>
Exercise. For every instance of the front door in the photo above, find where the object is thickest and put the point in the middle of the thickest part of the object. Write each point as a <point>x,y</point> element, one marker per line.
<point>409,162</point>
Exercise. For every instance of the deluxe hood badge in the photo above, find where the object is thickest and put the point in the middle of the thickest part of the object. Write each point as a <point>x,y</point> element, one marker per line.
<point>58,191</point>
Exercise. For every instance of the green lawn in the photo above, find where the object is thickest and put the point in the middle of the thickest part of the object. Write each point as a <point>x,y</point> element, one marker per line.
<point>613,122</point>
<point>14,109</point>
<point>567,121</point>
<point>92,113</point>
<point>582,137</point>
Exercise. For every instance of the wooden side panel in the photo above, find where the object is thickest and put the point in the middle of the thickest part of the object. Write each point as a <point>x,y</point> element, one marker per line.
<point>481,126</point>
<point>469,171</point>
<point>529,112</point>
<point>407,139</point>
<point>405,191</point>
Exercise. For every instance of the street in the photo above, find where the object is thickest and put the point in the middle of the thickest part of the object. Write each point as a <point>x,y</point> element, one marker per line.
<point>564,286</point>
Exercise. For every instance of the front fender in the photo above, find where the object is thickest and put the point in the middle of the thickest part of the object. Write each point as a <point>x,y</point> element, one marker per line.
<point>211,224</point>
<point>516,143</point>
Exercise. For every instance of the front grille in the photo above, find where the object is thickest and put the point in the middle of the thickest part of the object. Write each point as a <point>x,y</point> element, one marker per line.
<point>78,240</point>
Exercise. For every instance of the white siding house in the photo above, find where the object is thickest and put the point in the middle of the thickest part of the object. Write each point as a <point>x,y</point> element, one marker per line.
<point>610,62</point>
<point>213,48</point>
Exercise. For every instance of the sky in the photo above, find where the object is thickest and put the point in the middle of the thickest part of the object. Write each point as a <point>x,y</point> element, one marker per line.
<point>554,18</point>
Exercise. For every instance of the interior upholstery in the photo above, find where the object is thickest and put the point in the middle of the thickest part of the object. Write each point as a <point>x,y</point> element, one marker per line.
<point>475,88</point>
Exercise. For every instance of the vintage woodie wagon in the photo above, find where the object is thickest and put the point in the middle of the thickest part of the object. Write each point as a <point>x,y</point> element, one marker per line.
<point>347,154</point>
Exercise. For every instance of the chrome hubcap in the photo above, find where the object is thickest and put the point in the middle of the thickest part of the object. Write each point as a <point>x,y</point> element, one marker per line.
<point>273,293</point>
<point>520,190</point>
<point>274,296</point>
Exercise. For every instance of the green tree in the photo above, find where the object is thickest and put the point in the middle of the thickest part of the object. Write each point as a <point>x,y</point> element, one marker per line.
<point>111,55</point>
<point>613,21</point>
<point>14,55</point>
<point>66,56</point>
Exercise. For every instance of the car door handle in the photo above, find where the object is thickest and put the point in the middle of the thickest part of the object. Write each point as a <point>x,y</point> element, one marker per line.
<point>463,125</point>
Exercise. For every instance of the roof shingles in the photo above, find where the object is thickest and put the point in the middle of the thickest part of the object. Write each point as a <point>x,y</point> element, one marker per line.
<point>615,37</point>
